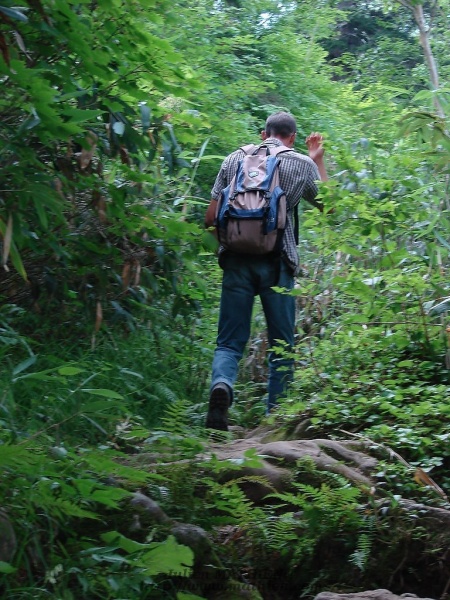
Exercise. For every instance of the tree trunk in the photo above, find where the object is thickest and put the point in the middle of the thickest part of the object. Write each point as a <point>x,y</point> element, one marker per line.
<point>417,10</point>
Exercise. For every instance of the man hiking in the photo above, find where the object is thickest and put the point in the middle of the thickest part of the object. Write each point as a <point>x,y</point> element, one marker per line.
<point>248,275</point>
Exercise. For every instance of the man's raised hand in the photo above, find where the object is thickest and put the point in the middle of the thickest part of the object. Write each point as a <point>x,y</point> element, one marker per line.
<point>314,141</point>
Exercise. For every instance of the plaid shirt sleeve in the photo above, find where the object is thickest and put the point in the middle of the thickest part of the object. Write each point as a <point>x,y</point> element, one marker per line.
<point>226,173</point>
<point>298,178</point>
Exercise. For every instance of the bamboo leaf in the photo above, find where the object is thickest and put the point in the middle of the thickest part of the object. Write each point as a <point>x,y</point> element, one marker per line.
<point>7,239</point>
<point>95,424</point>
<point>128,372</point>
<point>24,365</point>
<point>70,370</point>
<point>145,116</point>
<point>40,376</point>
<point>77,115</point>
<point>6,568</point>
<point>41,213</point>
<point>98,316</point>
<point>442,240</point>
<point>97,406</point>
<point>422,478</point>
<point>6,231</point>
<point>103,392</point>
<point>17,262</point>
<point>13,13</point>
<point>440,308</point>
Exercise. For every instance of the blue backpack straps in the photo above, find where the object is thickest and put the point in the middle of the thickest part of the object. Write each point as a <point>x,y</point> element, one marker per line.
<point>278,150</point>
<point>252,211</point>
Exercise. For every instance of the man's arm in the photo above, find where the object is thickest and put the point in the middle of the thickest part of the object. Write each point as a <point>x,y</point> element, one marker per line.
<point>316,151</point>
<point>210,213</point>
<point>219,184</point>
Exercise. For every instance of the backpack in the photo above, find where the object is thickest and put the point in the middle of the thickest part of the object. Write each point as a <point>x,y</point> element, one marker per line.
<point>252,210</point>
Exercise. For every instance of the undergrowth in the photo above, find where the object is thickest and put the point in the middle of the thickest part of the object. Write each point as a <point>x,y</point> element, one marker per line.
<point>84,428</point>
<point>397,400</point>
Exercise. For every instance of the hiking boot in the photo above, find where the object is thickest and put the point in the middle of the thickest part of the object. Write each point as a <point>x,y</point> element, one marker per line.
<point>219,401</point>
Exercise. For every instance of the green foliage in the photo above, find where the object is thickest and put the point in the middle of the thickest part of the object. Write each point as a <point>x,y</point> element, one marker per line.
<point>317,513</point>
<point>52,490</point>
<point>231,500</point>
<point>370,36</point>
<point>363,551</point>
<point>114,118</point>
<point>88,213</point>
<point>391,392</point>
<point>67,488</point>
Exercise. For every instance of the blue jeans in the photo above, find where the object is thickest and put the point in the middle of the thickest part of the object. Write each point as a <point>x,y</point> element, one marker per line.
<point>245,277</point>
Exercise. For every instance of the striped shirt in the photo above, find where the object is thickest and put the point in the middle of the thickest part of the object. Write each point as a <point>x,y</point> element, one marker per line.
<point>298,179</point>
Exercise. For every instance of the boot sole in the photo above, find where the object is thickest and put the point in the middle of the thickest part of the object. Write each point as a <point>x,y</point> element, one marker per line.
<point>218,409</point>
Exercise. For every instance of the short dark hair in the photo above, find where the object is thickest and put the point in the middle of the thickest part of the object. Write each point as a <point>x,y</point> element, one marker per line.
<point>282,124</point>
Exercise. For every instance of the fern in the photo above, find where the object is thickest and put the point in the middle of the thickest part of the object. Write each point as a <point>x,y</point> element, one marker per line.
<point>164,392</point>
<point>230,499</point>
<point>281,531</point>
<point>16,456</point>
<point>364,545</point>
<point>260,479</point>
<point>175,419</point>
<point>323,511</point>
<point>361,555</point>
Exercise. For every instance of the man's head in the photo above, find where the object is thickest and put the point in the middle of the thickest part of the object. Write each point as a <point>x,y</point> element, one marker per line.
<point>281,125</point>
